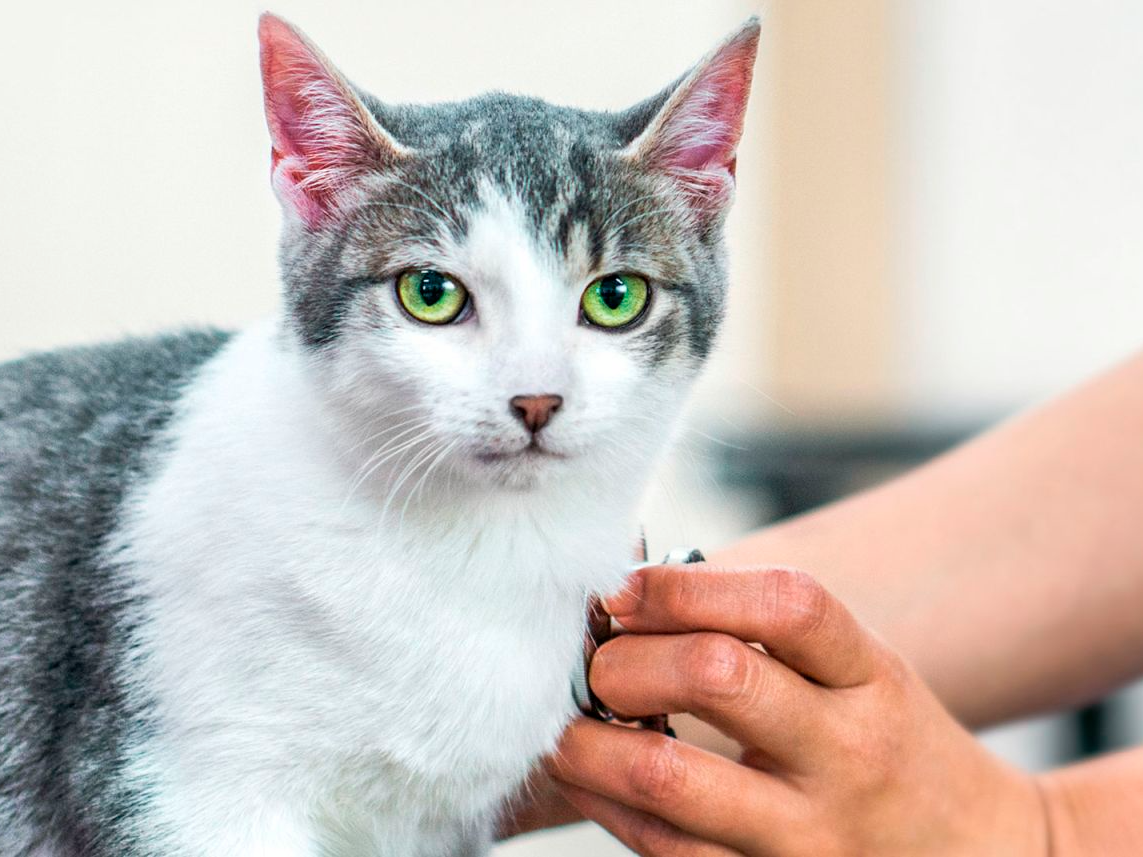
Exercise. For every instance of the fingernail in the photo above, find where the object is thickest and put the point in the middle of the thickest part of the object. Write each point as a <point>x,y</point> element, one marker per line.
<point>626,602</point>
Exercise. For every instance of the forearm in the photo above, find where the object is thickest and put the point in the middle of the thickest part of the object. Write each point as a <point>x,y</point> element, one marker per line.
<point>1097,807</point>
<point>1008,571</point>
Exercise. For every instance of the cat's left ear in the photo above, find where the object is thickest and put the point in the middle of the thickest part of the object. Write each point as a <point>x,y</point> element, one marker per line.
<point>694,134</point>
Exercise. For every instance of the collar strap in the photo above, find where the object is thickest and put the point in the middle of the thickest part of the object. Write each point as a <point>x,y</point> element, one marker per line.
<point>598,631</point>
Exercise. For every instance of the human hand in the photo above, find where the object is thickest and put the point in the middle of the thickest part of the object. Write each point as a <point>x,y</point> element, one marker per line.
<point>846,751</point>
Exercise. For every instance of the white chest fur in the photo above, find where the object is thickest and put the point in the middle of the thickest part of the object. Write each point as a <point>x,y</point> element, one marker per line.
<point>339,675</point>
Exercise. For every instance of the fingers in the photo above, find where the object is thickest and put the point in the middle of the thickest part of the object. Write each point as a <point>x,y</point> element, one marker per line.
<point>701,794</point>
<point>746,694</point>
<point>788,612</point>
<point>644,834</point>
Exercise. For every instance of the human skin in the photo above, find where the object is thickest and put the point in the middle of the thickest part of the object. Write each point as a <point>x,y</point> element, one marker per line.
<point>846,751</point>
<point>1002,579</point>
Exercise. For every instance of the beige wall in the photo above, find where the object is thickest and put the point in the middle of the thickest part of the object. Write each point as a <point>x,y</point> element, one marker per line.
<point>831,320</point>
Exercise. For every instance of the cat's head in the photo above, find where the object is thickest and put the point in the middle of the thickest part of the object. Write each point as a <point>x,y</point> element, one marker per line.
<point>515,288</point>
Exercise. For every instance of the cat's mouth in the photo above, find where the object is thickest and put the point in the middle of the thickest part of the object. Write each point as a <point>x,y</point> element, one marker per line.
<point>532,451</point>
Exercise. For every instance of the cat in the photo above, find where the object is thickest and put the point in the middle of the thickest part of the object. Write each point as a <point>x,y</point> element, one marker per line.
<point>317,587</point>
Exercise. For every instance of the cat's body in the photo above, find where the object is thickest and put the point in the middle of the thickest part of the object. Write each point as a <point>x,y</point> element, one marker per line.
<point>313,590</point>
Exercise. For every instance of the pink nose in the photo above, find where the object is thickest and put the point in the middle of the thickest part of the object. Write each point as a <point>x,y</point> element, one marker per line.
<point>536,411</point>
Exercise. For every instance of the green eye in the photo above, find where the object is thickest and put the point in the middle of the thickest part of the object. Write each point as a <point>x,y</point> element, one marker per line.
<point>430,296</point>
<point>616,300</point>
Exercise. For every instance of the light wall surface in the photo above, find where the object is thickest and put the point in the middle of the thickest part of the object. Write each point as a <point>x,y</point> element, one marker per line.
<point>1020,198</point>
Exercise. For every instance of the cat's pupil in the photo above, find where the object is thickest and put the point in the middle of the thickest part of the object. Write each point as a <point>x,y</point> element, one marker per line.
<point>432,287</point>
<point>612,291</point>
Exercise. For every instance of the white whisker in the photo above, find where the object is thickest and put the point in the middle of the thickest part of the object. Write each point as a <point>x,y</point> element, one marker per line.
<point>448,448</point>
<point>394,447</point>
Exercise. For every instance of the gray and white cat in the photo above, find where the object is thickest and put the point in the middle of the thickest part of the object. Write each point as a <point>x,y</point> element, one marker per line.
<point>317,587</point>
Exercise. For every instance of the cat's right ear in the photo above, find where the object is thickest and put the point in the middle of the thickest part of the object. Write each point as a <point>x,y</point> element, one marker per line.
<point>324,138</point>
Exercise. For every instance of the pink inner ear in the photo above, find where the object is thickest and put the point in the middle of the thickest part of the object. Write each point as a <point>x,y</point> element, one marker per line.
<point>697,135</point>
<point>708,125</point>
<point>321,139</point>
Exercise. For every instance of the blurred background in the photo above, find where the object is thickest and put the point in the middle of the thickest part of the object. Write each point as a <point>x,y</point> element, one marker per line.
<point>938,222</point>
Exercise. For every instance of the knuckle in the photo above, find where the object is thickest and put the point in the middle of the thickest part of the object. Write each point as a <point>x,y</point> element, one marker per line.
<point>658,772</point>
<point>717,669</point>
<point>799,604</point>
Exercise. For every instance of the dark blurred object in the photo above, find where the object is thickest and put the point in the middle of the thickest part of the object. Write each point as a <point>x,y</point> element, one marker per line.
<point>794,471</point>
